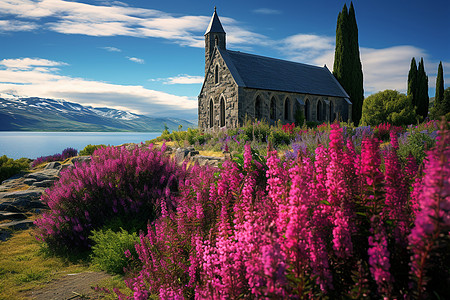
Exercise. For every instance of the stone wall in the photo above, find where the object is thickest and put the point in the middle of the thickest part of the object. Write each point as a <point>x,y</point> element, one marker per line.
<point>226,88</point>
<point>247,100</point>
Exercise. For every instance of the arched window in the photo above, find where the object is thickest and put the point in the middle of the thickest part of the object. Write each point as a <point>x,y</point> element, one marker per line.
<point>331,111</point>
<point>258,114</point>
<point>319,110</point>
<point>287,109</point>
<point>216,74</point>
<point>307,110</point>
<point>211,113</point>
<point>222,112</point>
<point>273,109</point>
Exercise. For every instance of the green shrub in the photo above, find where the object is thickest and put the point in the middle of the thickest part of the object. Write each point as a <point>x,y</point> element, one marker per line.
<point>10,167</point>
<point>417,144</point>
<point>89,149</point>
<point>108,252</point>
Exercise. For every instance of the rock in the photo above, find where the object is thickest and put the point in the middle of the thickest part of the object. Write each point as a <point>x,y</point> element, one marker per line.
<point>81,159</point>
<point>183,153</point>
<point>11,216</point>
<point>208,160</point>
<point>29,181</point>
<point>49,174</point>
<point>22,201</point>
<point>44,183</point>
<point>53,165</point>
<point>13,178</point>
<point>18,225</point>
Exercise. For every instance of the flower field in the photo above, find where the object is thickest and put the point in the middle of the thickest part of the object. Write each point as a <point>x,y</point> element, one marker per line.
<point>342,213</point>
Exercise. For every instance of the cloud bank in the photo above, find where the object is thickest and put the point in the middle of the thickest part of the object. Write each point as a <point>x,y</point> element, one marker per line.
<point>39,77</point>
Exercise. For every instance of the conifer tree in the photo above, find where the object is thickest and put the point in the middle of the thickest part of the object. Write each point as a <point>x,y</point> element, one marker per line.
<point>422,91</point>
<point>347,63</point>
<point>412,82</point>
<point>439,96</point>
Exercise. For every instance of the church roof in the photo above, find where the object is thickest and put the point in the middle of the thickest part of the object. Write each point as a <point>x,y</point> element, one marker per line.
<point>215,25</point>
<point>259,72</point>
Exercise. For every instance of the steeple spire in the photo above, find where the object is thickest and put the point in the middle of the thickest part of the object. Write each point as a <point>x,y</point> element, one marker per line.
<point>214,25</point>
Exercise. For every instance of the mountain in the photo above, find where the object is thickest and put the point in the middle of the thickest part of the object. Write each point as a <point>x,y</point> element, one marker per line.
<point>39,114</point>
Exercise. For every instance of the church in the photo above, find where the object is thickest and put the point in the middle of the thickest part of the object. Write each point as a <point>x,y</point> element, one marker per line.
<point>240,86</point>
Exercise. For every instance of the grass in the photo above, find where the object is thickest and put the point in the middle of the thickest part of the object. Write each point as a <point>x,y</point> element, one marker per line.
<point>24,265</point>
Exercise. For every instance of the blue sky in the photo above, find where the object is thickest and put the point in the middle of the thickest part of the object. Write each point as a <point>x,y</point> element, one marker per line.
<point>148,57</point>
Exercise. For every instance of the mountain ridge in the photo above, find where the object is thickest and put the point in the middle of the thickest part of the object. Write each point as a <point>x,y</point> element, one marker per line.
<point>46,114</point>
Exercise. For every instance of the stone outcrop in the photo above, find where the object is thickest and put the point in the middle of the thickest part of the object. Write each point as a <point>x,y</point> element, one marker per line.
<point>20,196</point>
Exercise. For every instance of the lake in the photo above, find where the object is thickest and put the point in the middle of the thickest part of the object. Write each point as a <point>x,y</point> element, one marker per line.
<point>30,144</point>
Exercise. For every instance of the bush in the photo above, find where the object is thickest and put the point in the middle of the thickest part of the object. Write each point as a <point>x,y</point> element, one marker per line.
<point>416,143</point>
<point>117,184</point>
<point>344,225</point>
<point>108,251</point>
<point>9,167</point>
<point>89,149</point>
<point>390,106</point>
<point>66,153</point>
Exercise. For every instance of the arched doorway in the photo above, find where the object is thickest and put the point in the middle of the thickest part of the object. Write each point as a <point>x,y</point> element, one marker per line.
<point>307,105</point>
<point>319,111</point>
<point>258,113</point>
<point>273,109</point>
<point>211,113</point>
<point>222,112</point>
<point>287,109</point>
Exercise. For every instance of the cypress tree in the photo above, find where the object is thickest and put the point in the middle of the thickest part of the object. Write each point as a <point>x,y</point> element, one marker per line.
<point>357,89</point>
<point>422,91</point>
<point>412,82</point>
<point>347,64</point>
<point>439,96</point>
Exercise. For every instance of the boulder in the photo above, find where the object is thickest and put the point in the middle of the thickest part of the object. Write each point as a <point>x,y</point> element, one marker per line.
<point>18,225</point>
<point>182,153</point>
<point>49,174</point>
<point>81,159</point>
<point>22,201</point>
<point>11,216</point>
<point>44,183</point>
<point>208,160</point>
<point>53,165</point>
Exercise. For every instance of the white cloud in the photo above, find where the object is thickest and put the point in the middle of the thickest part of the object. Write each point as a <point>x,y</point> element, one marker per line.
<point>306,47</point>
<point>29,63</point>
<point>184,79</point>
<point>111,49</point>
<point>38,77</point>
<point>267,11</point>
<point>14,25</point>
<point>136,60</point>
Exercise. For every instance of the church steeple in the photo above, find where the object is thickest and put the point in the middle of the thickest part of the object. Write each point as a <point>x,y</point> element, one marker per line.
<point>214,37</point>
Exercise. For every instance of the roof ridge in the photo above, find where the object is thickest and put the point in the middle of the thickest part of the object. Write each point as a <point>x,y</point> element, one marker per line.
<point>276,59</point>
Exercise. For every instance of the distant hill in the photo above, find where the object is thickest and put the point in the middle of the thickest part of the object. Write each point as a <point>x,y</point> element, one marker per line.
<point>39,114</point>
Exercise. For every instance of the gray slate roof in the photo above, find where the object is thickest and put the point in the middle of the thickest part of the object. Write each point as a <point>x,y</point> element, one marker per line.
<point>259,72</point>
<point>214,24</point>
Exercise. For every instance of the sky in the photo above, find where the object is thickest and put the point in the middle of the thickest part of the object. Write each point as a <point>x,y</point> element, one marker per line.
<point>147,56</point>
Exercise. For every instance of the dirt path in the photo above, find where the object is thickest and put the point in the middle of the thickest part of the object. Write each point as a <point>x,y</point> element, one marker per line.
<point>71,286</point>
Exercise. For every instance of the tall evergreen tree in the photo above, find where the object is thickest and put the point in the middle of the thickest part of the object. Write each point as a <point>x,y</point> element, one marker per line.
<point>439,96</point>
<point>347,64</point>
<point>422,91</point>
<point>412,82</point>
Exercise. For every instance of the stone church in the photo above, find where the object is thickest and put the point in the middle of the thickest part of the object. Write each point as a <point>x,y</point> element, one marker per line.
<point>240,86</point>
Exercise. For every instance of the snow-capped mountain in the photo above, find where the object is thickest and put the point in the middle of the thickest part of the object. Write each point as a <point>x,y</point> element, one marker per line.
<point>39,114</point>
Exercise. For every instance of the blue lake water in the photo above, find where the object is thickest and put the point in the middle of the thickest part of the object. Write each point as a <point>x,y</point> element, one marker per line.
<point>17,144</point>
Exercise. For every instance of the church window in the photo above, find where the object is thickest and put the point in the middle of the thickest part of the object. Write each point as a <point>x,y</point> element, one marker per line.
<point>211,113</point>
<point>216,74</point>
<point>222,112</point>
<point>287,109</point>
<point>307,105</point>
<point>331,111</point>
<point>258,114</point>
<point>320,111</point>
<point>273,109</point>
<point>216,40</point>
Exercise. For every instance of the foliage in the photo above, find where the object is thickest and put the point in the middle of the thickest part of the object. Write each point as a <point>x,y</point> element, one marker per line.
<point>390,106</point>
<point>442,97</point>
<point>65,154</point>
<point>10,167</point>
<point>108,251</point>
<point>422,91</point>
<point>412,82</point>
<point>416,144</point>
<point>89,149</point>
<point>347,63</point>
<point>335,223</point>
<point>117,184</point>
